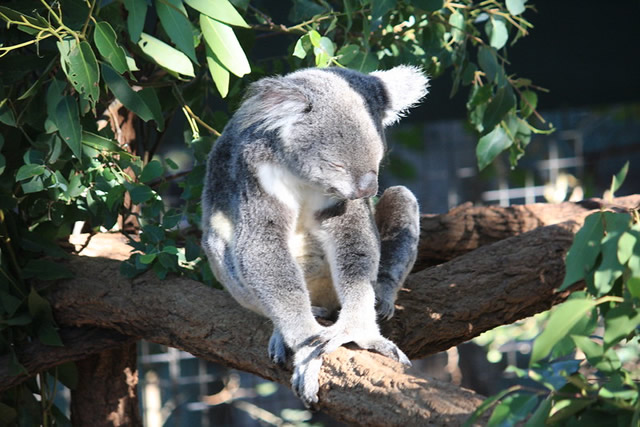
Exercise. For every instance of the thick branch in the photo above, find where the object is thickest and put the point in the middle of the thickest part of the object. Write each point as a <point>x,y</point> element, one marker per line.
<point>78,344</point>
<point>210,324</point>
<point>441,306</point>
<point>467,227</point>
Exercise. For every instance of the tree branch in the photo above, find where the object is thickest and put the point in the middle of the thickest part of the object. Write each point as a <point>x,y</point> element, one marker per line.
<point>467,227</point>
<point>440,307</point>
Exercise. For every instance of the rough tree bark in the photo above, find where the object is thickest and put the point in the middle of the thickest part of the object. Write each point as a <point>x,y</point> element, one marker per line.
<point>440,307</point>
<point>106,391</point>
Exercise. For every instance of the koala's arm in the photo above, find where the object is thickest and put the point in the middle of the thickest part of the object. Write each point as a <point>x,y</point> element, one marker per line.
<point>353,251</point>
<point>398,221</point>
<point>268,268</point>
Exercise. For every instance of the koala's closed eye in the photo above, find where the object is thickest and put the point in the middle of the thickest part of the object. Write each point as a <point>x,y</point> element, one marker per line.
<point>337,166</point>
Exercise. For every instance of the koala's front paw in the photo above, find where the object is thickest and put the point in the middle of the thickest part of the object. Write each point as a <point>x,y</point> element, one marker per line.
<point>304,381</point>
<point>278,350</point>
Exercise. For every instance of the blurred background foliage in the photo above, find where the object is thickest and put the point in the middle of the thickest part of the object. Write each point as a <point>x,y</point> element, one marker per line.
<point>108,110</point>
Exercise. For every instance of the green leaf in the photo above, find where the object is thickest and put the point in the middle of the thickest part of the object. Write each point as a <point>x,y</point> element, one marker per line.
<point>528,103</point>
<point>139,193</point>
<point>503,101</point>
<point>3,163</point>
<point>135,20</point>
<point>152,170</point>
<point>81,68</point>
<point>150,98</point>
<point>562,319</point>
<point>54,96</point>
<point>114,195</point>
<point>512,409</point>
<point>33,186</point>
<point>106,41</point>
<point>99,142</point>
<point>6,115</point>
<point>619,178</point>
<point>348,53</point>
<point>610,268</point>
<point>68,122</point>
<point>147,258</point>
<point>516,7</point>
<point>540,415</point>
<point>223,42</point>
<point>456,21</point>
<point>379,8</point>
<point>619,323</point>
<point>364,62</point>
<point>302,46</point>
<point>219,74</point>
<point>324,52</point>
<point>591,349</point>
<point>220,10</point>
<point>625,246</point>
<point>486,404</point>
<point>564,408</point>
<point>488,62</point>
<point>497,32</point>
<point>490,145</point>
<point>40,309</point>
<point>165,55</point>
<point>131,99</point>
<point>584,250</point>
<point>176,24</point>
<point>29,171</point>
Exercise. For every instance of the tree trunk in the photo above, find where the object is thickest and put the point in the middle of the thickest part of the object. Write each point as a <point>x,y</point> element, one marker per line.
<point>106,392</point>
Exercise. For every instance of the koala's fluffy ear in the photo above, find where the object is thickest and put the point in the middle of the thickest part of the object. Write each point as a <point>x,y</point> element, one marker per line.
<point>273,103</point>
<point>405,86</point>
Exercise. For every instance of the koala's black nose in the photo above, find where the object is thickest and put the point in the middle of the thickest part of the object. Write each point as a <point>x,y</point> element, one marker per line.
<point>367,185</point>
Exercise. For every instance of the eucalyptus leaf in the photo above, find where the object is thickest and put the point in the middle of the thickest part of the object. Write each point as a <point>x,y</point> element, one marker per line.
<point>106,41</point>
<point>81,68</point>
<point>137,13</point>
<point>176,24</point>
<point>68,122</point>
<point>220,10</point>
<point>503,101</point>
<point>584,250</point>
<point>218,72</point>
<point>490,145</point>
<point>223,42</point>
<point>165,55</point>
<point>562,319</point>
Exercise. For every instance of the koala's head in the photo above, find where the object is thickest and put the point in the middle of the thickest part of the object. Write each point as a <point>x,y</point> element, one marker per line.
<point>330,122</point>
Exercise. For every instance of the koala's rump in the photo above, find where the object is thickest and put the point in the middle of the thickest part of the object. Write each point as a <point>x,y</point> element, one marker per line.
<point>308,252</point>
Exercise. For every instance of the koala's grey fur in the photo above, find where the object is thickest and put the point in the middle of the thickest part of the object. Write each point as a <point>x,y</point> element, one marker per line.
<point>289,226</point>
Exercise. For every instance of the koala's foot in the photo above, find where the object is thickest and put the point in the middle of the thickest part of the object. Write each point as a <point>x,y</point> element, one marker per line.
<point>307,362</point>
<point>278,350</point>
<point>385,308</point>
<point>385,347</point>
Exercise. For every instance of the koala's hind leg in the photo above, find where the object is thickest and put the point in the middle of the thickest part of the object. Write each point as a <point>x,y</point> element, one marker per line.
<point>398,219</point>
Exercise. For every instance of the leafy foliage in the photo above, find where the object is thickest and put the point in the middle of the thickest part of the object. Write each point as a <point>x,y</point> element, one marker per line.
<point>92,92</point>
<point>581,371</point>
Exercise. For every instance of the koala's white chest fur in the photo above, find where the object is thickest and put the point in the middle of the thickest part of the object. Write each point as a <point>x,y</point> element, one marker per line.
<point>306,239</point>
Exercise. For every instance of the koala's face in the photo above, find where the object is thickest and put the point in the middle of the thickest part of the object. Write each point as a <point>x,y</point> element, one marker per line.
<point>336,143</point>
<point>331,121</point>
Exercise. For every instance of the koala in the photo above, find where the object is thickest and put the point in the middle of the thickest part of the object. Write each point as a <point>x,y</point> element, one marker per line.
<point>290,227</point>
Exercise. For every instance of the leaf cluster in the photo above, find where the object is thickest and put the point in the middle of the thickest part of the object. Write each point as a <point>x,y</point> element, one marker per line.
<point>580,373</point>
<point>94,96</point>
